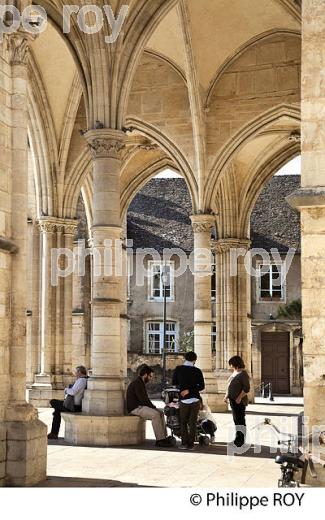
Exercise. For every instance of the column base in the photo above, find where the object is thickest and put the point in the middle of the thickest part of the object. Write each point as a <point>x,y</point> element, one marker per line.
<point>41,392</point>
<point>216,403</point>
<point>104,397</point>
<point>90,430</point>
<point>26,447</point>
<point>215,389</point>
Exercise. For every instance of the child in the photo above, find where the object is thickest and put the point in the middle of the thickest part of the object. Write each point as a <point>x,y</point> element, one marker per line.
<point>207,421</point>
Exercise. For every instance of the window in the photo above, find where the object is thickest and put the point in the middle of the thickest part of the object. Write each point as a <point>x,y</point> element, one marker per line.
<point>156,288</point>
<point>213,337</point>
<point>155,337</point>
<point>271,283</point>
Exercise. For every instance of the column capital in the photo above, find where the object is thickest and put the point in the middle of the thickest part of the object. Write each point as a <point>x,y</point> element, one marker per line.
<point>54,225</point>
<point>17,44</point>
<point>105,142</point>
<point>202,223</point>
<point>223,245</point>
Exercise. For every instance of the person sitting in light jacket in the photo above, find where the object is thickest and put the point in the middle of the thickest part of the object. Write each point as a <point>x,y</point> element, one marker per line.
<point>77,390</point>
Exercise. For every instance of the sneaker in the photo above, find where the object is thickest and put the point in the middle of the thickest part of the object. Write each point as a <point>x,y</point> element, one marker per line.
<point>191,448</point>
<point>213,439</point>
<point>52,436</point>
<point>183,447</point>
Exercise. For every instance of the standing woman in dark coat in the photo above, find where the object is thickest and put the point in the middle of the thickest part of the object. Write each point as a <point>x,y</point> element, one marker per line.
<point>238,388</point>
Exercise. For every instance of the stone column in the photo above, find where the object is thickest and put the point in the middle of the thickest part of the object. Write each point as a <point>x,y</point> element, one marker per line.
<point>69,229</point>
<point>232,306</point>
<point>79,343</point>
<point>102,421</point>
<point>55,361</point>
<point>310,200</point>
<point>202,225</point>
<point>25,435</point>
<point>105,394</point>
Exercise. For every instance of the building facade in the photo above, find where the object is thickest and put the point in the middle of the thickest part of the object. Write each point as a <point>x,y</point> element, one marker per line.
<point>158,221</point>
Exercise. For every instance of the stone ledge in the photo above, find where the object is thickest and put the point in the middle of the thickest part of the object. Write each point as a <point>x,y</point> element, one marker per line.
<point>90,430</point>
<point>8,246</point>
<point>307,198</point>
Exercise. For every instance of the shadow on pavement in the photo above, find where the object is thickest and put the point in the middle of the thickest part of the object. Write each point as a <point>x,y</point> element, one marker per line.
<point>73,482</point>
<point>218,448</point>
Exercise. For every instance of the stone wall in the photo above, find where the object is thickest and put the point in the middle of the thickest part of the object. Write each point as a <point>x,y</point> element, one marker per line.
<point>141,309</point>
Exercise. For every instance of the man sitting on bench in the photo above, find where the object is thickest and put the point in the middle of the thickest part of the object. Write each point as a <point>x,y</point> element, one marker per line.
<point>138,403</point>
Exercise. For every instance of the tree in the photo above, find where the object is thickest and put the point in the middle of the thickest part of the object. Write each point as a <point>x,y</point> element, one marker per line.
<point>186,342</point>
<point>292,310</point>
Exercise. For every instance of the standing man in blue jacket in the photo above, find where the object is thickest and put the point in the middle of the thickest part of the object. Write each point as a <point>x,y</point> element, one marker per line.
<point>189,379</point>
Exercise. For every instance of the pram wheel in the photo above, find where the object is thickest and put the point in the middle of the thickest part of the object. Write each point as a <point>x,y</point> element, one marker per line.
<point>172,441</point>
<point>204,440</point>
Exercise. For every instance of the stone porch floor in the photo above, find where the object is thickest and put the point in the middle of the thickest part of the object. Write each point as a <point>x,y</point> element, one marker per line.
<point>147,466</point>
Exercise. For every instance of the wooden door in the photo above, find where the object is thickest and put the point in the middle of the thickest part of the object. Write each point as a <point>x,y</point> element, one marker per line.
<point>276,361</point>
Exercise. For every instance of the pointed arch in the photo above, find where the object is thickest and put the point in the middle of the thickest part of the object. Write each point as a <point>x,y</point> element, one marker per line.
<point>250,130</point>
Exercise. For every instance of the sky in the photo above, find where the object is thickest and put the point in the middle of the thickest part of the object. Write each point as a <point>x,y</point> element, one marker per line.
<point>291,168</point>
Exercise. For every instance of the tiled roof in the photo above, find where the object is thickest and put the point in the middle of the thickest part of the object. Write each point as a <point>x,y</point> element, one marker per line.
<point>274,224</point>
<point>158,216</point>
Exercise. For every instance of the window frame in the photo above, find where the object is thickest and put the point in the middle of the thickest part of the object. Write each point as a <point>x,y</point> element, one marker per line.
<point>160,299</point>
<point>271,298</point>
<point>174,333</point>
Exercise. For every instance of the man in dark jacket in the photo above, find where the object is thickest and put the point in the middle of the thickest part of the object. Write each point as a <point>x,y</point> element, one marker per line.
<point>138,403</point>
<point>189,379</point>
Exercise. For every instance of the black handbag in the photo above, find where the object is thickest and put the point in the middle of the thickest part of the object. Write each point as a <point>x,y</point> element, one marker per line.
<point>69,403</point>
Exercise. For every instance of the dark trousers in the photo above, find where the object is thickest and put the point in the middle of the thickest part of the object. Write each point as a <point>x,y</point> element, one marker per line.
<point>238,413</point>
<point>58,408</point>
<point>188,414</point>
<point>208,427</point>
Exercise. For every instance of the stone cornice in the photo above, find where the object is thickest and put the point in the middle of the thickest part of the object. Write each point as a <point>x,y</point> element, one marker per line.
<point>226,244</point>
<point>202,223</point>
<point>57,225</point>
<point>8,246</point>
<point>105,143</point>
<point>307,198</point>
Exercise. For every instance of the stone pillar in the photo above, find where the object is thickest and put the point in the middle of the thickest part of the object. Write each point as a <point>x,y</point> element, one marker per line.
<point>55,367</point>
<point>69,229</point>
<point>124,307</point>
<point>102,421</point>
<point>105,394</point>
<point>310,200</point>
<point>26,443</point>
<point>79,341</point>
<point>232,306</point>
<point>202,225</point>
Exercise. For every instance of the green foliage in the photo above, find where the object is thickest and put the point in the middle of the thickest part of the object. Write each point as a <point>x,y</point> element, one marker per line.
<point>292,310</point>
<point>186,342</point>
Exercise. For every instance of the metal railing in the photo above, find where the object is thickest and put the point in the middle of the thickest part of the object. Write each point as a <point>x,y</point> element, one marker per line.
<point>265,391</point>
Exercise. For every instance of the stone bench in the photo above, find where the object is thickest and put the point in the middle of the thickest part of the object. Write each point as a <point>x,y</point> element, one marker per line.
<point>90,430</point>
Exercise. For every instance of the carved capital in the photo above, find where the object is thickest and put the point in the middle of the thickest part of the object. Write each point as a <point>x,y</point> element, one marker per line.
<point>202,223</point>
<point>105,143</point>
<point>17,44</point>
<point>57,225</point>
<point>148,147</point>
<point>47,226</point>
<point>226,244</point>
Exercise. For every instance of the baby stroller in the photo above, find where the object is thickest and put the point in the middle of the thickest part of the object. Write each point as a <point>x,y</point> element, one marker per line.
<point>171,399</point>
